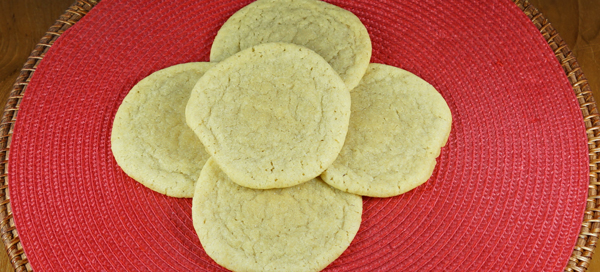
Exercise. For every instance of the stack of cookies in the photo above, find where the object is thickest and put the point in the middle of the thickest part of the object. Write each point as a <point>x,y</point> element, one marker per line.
<point>279,136</point>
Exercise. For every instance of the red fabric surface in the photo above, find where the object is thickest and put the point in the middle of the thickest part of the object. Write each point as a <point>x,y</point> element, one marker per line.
<point>508,192</point>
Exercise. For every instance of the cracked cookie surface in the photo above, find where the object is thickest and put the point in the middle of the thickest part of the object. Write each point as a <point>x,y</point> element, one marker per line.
<point>398,125</point>
<point>300,228</point>
<point>336,34</point>
<point>272,116</point>
<point>150,139</point>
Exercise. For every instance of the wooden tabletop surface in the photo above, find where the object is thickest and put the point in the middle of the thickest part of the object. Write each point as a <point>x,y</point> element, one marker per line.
<point>24,22</point>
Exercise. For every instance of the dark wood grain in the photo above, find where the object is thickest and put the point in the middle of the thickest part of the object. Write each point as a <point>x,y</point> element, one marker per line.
<point>24,22</point>
<point>578,23</point>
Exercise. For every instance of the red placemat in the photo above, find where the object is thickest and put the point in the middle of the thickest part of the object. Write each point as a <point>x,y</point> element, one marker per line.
<point>508,192</point>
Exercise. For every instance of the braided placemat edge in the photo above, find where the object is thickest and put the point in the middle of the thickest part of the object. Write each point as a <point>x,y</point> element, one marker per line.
<point>590,229</point>
<point>8,231</point>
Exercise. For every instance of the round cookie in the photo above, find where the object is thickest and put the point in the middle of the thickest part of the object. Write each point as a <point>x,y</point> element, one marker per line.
<point>336,34</point>
<point>272,116</point>
<point>398,125</point>
<point>150,139</point>
<point>300,228</point>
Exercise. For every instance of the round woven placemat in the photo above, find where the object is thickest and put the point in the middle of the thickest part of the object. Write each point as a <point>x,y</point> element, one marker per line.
<point>508,193</point>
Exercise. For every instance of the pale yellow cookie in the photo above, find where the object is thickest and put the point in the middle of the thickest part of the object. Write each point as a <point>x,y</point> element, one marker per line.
<point>150,139</point>
<point>301,228</point>
<point>272,116</point>
<point>336,34</point>
<point>398,125</point>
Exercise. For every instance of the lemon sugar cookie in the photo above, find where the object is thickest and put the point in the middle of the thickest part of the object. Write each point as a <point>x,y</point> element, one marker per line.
<point>334,33</point>
<point>150,139</point>
<point>272,116</point>
<point>301,228</point>
<point>398,125</point>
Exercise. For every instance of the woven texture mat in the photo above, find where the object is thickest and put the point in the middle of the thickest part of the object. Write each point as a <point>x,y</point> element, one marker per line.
<point>508,192</point>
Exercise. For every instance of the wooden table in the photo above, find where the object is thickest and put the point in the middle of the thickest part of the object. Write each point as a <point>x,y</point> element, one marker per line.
<point>24,22</point>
